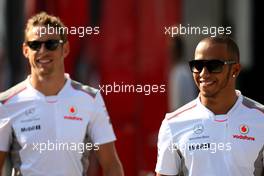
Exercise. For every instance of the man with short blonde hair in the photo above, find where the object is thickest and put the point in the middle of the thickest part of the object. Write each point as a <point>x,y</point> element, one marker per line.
<point>49,123</point>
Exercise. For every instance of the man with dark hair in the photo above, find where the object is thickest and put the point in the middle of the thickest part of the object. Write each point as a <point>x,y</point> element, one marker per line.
<point>219,133</point>
<point>49,123</point>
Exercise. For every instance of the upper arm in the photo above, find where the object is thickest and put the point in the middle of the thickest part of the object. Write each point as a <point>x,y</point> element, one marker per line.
<point>168,161</point>
<point>5,131</point>
<point>100,128</point>
<point>5,135</point>
<point>2,160</point>
<point>109,160</point>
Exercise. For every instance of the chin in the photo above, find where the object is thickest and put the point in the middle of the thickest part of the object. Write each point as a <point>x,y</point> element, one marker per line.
<point>45,72</point>
<point>208,94</point>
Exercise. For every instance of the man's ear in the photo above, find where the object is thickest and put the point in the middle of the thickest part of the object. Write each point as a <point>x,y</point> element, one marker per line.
<point>236,69</point>
<point>66,49</point>
<point>25,50</point>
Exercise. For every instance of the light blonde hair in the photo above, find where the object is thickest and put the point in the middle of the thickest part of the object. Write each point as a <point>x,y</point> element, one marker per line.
<point>44,19</point>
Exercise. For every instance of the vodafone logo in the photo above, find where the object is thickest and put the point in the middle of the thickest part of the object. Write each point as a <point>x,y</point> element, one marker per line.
<point>244,129</point>
<point>73,118</point>
<point>72,110</point>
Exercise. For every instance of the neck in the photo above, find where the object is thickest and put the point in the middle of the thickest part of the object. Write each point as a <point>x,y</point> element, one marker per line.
<point>220,104</point>
<point>48,85</point>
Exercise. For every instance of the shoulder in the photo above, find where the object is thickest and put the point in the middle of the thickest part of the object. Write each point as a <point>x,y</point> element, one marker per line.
<point>92,92</point>
<point>13,91</point>
<point>187,108</point>
<point>252,104</point>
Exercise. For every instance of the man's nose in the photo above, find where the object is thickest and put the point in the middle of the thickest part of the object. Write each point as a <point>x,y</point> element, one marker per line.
<point>42,48</point>
<point>204,72</point>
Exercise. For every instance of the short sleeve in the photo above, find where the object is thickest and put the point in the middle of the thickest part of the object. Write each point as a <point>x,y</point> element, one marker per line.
<point>168,161</point>
<point>5,130</point>
<point>100,128</point>
<point>259,163</point>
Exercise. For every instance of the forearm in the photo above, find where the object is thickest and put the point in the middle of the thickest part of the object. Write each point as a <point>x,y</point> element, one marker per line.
<point>109,160</point>
<point>2,160</point>
<point>114,170</point>
<point>163,175</point>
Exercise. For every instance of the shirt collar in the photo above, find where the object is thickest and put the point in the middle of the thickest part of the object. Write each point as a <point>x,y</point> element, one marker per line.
<point>39,94</point>
<point>221,117</point>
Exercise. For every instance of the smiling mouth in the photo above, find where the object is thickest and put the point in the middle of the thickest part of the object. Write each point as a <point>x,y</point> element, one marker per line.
<point>206,83</point>
<point>44,61</point>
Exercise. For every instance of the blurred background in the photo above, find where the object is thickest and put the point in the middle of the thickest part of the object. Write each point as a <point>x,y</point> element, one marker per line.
<point>132,48</point>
